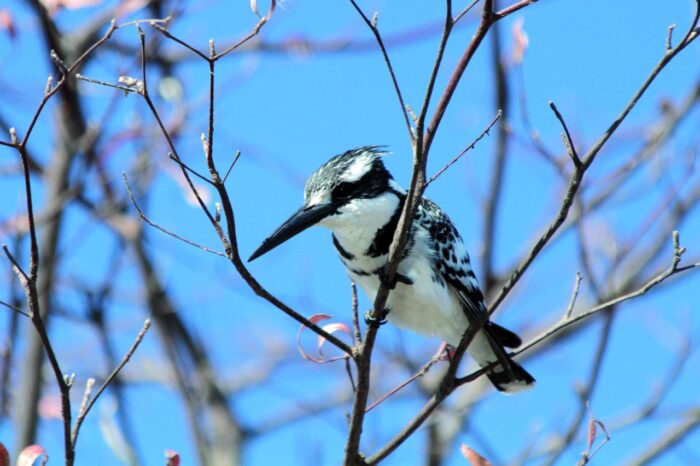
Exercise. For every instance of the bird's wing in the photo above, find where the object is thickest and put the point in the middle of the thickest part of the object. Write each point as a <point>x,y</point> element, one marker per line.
<point>455,268</point>
<point>451,257</point>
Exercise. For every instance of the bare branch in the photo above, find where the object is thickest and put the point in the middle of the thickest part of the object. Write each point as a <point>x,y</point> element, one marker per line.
<point>87,406</point>
<point>14,308</point>
<point>574,295</point>
<point>471,146</point>
<point>182,164</point>
<point>579,171</point>
<point>669,37</point>
<point>230,167</point>
<point>672,270</point>
<point>126,89</point>
<point>145,218</point>
<point>372,24</point>
<point>355,317</point>
<point>566,137</point>
<point>17,268</point>
<point>668,439</point>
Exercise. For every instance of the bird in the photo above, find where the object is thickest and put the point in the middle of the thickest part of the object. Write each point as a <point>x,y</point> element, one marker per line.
<point>436,292</point>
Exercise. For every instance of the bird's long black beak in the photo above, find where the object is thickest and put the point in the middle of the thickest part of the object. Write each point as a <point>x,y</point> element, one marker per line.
<point>298,222</point>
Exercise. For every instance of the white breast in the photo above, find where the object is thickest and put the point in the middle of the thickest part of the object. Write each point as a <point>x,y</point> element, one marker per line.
<point>428,306</point>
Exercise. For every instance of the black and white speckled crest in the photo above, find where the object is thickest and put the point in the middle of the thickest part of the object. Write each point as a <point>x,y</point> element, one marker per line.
<point>362,167</point>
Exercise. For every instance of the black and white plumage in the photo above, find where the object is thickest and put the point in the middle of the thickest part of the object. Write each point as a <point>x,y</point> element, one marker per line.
<point>436,292</point>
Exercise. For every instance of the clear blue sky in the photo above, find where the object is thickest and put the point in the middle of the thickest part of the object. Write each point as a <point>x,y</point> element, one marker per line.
<point>288,114</point>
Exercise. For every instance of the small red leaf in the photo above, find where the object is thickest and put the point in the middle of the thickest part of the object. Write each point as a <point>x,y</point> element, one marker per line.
<point>53,6</point>
<point>330,328</point>
<point>254,7</point>
<point>520,41</point>
<point>129,6</point>
<point>7,23</point>
<point>591,433</point>
<point>173,458</point>
<point>50,406</point>
<point>32,453</point>
<point>473,457</point>
<point>4,456</point>
<point>602,426</point>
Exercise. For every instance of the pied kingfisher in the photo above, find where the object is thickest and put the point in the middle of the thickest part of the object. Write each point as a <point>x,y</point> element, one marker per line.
<point>436,292</point>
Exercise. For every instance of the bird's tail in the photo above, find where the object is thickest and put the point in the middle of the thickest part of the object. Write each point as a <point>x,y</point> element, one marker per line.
<point>508,376</point>
<point>511,380</point>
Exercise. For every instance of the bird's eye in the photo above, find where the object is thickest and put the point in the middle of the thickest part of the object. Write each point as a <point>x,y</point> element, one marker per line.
<point>343,190</point>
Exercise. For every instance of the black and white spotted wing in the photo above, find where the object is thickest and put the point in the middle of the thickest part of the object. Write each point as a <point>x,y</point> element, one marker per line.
<point>454,267</point>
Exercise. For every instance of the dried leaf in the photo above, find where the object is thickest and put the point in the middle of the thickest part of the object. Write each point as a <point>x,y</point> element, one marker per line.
<point>173,458</point>
<point>7,23</point>
<point>14,225</point>
<point>591,433</point>
<point>605,431</point>
<point>330,328</point>
<point>53,6</point>
<point>254,7</point>
<point>4,456</point>
<point>129,6</point>
<point>593,425</point>
<point>50,406</point>
<point>520,40</point>
<point>32,453</point>
<point>473,457</point>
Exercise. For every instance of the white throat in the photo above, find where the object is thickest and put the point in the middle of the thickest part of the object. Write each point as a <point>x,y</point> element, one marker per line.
<point>357,222</point>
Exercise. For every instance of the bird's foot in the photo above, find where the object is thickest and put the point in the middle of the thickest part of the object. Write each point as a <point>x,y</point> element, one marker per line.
<point>376,322</point>
<point>447,352</point>
<point>398,278</point>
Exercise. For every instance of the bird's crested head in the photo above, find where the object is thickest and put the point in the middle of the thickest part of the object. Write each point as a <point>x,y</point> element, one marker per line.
<point>357,173</point>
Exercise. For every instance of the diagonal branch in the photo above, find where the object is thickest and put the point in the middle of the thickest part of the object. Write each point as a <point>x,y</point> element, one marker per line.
<point>585,162</point>
<point>88,403</point>
<point>372,25</point>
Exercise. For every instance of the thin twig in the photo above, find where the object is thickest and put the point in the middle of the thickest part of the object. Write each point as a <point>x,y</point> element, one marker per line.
<point>586,161</point>
<point>574,295</point>
<point>466,10</point>
<point>355,315</point>
<point>586,392</point>
<point>182,164</point>
<point>88,406</point>
<point>568,141</point>
<point>86,397</point>
<point>126,89</point>
<point>229,241</point>
<point>170,36</point>
<point>249,36</point>
<point>672,270</point>
<point>669,37</point>
<point>17,268</point>
<point>372,25</point>
<point>446,31</point>
<point>230,167</point>
<point>145,218</point>
<point>14,308</point>
<point>471,146</point>
<point>420,373</point>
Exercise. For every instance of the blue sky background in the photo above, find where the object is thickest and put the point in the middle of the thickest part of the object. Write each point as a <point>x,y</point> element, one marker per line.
<point>288,113</point>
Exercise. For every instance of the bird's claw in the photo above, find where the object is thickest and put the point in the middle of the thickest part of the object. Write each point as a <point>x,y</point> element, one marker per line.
<point>375,322</point>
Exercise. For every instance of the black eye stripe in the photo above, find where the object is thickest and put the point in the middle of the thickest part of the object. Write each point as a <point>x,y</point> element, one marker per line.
<point>344,189</point>
<point>372,183</point>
